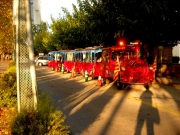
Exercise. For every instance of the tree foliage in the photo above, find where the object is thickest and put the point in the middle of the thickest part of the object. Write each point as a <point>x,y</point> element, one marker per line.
<point>100,22</point>
<point>42,39</point>
<point>6,31</point>
<point>95,22</point>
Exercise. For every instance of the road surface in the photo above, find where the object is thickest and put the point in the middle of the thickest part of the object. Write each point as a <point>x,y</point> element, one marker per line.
<point>94,110</point>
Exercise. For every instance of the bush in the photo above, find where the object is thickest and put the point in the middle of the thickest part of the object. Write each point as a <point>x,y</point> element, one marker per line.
<point>8,89</point>
<point>45,121</point>
<point>8,98</point>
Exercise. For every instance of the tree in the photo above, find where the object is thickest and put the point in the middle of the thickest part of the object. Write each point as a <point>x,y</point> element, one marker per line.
<point>42,38</point>
<point>153,22</point>
<point>96,22</point>
<point>6,31</point>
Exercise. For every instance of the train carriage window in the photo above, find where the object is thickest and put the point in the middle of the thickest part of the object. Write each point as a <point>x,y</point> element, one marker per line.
<point>90,56</point>
<point>116,55</point>
<point>84,57</point>
<point>81,56</point>
<point>131,55</point>
<point>70,56</point>
<point>55,56</point>
<point>50,57</point>
<point>99,56</point>
<point>65,56</point>
<point>105,56</point>
<point>59,57</point>
<point>76,58</point>
<point>87,57</point>
<point>93,58</point>
<point>113,57</point>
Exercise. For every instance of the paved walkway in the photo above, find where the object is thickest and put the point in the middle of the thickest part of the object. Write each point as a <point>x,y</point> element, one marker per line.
<point>4,65</point>
<point>168,80</point>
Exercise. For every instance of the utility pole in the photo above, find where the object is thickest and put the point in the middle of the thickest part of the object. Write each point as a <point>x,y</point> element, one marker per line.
<point>25,65</point>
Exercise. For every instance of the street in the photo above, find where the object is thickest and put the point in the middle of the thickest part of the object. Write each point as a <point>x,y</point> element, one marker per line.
<point>94,110</point>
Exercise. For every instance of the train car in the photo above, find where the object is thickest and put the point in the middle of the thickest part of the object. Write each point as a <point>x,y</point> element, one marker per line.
<point>132,68</point>
<point>51,59</point>
<point>122,63</point>
<point>81,60</point>
<point>86,58</point>
<point>105,64</point>
<point>69,60</point>
<point>55,59</point>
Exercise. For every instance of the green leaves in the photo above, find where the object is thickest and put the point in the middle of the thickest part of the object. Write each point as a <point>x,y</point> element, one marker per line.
<point>42,39</point>
<point>95,22</point>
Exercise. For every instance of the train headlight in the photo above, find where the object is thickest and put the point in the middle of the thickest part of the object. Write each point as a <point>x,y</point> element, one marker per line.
<point>150,68</point>
<point>123,68</point>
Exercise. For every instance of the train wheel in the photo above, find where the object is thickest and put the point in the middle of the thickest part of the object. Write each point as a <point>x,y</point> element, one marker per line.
<point>107,81</point>
<point>93,77</point>
<point>103,80</point>
<point>119,84</point>
<point>68,71</point>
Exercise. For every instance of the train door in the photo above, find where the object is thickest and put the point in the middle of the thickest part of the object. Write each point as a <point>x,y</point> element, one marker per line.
<point>69,62</point>
<point>105,63</point>
<point>93,60</point>
<point>77,61</point>
<point>114,61</point>
<point>58,60</point>
<point>97,63</point>
<point>50,59</point>
<point>85,61</point>
<point>88,63</point>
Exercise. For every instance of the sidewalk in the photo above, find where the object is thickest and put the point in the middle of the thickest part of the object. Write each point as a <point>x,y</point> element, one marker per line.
<point>4,65</point>
<point>167,80</point>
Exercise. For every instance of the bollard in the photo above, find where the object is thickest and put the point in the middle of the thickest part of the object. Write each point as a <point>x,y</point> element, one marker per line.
<point>86,76</point>
<point>62,69</point>
<point>99,82</point>
<point>72,72</point>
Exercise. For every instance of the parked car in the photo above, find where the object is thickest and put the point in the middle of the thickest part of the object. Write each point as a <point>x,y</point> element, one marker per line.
<point>42,61</point>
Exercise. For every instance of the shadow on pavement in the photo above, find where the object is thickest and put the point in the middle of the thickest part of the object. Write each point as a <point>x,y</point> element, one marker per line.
<point>147,114</point>
<point>84,104</point>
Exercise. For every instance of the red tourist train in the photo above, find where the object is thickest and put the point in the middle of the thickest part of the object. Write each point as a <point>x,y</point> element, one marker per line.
<point>121,63</point>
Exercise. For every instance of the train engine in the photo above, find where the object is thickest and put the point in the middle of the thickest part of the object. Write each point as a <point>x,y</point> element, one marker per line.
<point>132,69</point>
